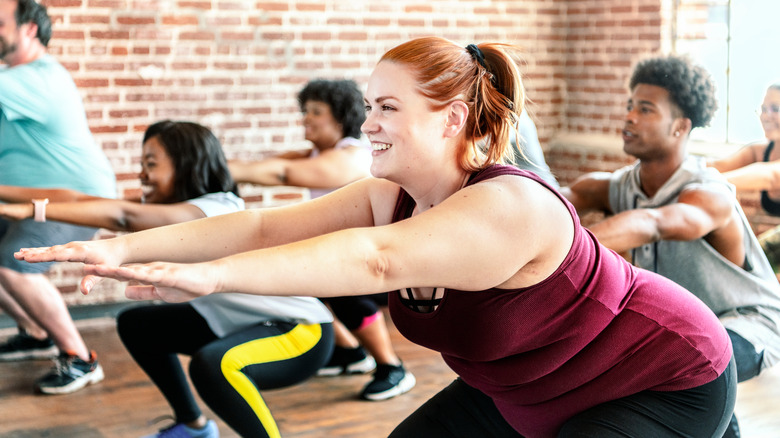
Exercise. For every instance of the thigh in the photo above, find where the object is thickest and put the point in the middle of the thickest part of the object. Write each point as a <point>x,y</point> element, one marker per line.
<point>700,412</point>
<point>747,358</point>
<point>353,309</point>
<point>458,411</point>
<point>272,354</point>
<point>30,234</point>
<point>163,328</point>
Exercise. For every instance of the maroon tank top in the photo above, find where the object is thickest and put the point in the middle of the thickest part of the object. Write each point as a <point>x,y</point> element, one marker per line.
<point>596,330</point>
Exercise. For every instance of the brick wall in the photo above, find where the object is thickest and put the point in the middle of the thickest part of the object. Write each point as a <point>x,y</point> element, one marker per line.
<point>236,66</point>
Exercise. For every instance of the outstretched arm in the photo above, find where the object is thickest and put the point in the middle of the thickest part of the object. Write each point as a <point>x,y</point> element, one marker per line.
<point>332,168</point>
<point>219,236</point>
<point>756,176</point>
<point>112,214</point>
<point>747,170</point>
<point>445,246</point>
<point>16,194</point>
<point>747,155</point>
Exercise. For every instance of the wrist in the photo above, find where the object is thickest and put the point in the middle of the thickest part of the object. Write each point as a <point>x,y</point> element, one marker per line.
<point>39,209</point>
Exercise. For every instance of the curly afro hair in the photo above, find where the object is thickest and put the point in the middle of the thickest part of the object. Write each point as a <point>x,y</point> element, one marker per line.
<point>344,99</point>
<point>690,86</point>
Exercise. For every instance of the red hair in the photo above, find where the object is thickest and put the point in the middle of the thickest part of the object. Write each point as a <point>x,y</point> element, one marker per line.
<point>494,94</point>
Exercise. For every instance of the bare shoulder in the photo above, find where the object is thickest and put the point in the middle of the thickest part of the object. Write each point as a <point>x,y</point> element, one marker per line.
<point>521,197</point>
<point>383,196</point>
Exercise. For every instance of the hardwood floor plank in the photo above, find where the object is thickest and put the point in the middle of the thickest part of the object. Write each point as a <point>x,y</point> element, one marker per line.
<point>123,405</point>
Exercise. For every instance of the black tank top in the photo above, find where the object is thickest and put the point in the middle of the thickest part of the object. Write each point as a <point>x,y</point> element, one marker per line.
<point>768,204</point>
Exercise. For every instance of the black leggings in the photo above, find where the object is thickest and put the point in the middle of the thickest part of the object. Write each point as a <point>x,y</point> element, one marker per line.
<point>462,411</point>
<point>228,372</point>
<point>353,310</point>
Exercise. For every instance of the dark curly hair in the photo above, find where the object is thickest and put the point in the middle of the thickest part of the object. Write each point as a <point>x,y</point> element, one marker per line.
<point>344,99</point>
<point>199,163</point>
<point>690,86</point>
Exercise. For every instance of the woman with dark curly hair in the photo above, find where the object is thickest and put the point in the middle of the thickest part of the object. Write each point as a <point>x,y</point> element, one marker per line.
<point>333,111</point>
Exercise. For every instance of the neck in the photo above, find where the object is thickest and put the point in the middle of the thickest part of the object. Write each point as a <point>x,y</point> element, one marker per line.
<point>327,144</point>
<point>654,174</point>
<point>439,189</point>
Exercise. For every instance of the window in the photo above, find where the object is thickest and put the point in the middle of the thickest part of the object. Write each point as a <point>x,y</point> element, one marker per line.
<point>737,41</point>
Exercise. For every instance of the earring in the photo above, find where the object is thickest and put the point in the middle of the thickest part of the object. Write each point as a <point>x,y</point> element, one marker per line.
<point>676,133</point>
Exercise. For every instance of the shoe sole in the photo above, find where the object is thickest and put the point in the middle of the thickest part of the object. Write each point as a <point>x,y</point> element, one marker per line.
<point>93,377</point>
<point>405,385</point>
<point>364,366</point>
<point>30,355</point>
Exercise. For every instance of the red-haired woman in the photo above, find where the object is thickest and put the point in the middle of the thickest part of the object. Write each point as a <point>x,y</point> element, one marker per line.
<point>551,334</point>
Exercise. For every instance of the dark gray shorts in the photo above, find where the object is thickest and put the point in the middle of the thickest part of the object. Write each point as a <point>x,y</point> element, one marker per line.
<point>30,234</point>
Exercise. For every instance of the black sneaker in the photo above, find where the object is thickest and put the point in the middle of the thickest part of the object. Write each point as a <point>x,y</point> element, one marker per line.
<point>348,361</point>
<point>389,381</point>
<point>70,374</point>
<point>23,346</point>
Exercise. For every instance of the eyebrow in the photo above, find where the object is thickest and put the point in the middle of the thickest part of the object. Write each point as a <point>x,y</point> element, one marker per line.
<point>380,99</point>
<point>641,102</point>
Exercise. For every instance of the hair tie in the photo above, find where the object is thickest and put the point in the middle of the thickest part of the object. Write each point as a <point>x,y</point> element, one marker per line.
<point>476,54</point>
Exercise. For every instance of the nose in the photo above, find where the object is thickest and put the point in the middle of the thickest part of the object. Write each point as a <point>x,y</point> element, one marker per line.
<point>630,116</point>
<point>369,126</point>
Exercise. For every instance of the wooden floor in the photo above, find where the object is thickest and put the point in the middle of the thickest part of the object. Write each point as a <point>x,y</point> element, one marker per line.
<point>123,404</point>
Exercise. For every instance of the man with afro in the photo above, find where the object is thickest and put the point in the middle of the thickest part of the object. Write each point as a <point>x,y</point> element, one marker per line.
<point>670,214</point>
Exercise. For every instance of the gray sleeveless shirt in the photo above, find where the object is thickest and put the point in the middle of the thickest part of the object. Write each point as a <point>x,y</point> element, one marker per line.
<point>745,299</point>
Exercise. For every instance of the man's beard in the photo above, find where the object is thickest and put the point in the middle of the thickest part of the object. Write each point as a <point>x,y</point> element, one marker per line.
<point>6,49</point>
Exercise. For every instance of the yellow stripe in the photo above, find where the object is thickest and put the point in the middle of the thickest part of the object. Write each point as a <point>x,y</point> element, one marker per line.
<point>292,344</point>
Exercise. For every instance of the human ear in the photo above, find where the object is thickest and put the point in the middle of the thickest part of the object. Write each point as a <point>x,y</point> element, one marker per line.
<point>30,30</point>
<point>681,126</point>
<point>457,114</point>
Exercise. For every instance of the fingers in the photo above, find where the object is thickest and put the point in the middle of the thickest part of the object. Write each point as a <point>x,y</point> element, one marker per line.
<point>142,273</point>
<point>88,282</point>
<point>57,253</point>
<point>142,292</point>
<point>32,255</point>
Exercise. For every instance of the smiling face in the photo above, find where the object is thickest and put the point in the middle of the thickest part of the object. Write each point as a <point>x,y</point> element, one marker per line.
<point>405,133</point>
<point>770,114</point>
<point>652,130</point>
<point>157,173</point>
<point>320,127</point>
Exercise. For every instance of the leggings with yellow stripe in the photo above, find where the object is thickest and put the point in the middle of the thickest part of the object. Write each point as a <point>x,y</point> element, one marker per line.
<point>227,372</point>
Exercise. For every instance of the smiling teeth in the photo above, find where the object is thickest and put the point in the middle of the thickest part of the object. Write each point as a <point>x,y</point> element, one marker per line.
<point>381,146</point>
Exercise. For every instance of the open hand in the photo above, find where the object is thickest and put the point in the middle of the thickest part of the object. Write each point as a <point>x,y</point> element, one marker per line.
<point>170,282</point>
<point>91,252</point>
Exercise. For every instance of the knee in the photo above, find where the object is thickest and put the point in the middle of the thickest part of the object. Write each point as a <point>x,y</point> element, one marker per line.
<point>128,327</point>
<point>205,367</point>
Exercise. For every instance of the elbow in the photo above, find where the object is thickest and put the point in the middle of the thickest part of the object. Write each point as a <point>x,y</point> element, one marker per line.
<point>378,266</point>
<point>774,181</point>
<point>121,223</point>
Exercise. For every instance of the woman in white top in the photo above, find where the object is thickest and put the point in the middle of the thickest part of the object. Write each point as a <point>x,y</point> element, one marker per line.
<point>239,343</point>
